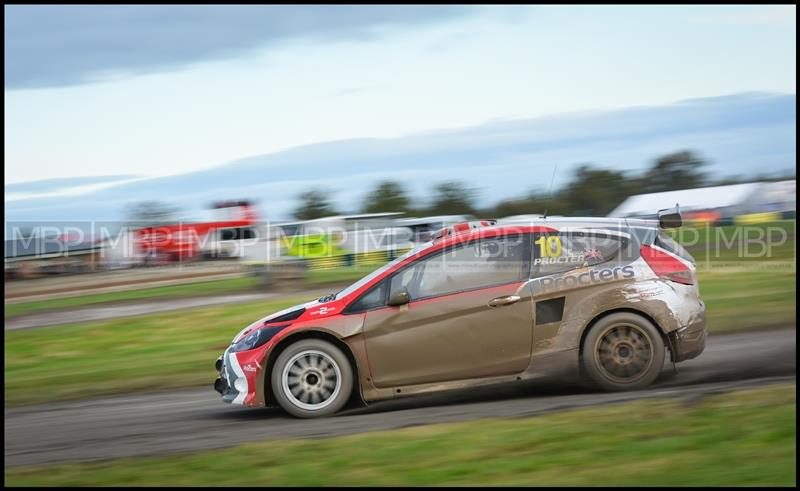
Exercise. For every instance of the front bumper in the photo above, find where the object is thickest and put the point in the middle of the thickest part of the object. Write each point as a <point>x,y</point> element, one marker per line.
<point>689,341</point>
<point>232,383</point>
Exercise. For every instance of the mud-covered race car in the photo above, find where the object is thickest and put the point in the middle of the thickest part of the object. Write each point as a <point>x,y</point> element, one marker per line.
<point>482,303</point>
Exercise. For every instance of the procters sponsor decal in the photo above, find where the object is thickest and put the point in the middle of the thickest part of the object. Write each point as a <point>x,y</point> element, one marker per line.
<point>593,276</point>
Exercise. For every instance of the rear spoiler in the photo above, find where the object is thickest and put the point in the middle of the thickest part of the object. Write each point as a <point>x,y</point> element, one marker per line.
<point>670,217</point>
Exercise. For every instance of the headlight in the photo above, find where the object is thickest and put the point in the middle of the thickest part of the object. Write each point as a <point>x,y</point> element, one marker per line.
<point>256,339</point>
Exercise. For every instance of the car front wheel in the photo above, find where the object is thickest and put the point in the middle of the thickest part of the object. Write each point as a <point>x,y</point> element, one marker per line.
<point>623,351</point>
<point>312,378</point>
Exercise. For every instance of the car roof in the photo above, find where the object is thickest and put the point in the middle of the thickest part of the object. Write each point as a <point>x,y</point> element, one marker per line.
<point>555,221</point>
<point>540,224</point>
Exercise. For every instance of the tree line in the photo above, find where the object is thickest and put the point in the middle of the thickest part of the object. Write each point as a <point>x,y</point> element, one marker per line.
<point>590,192</point>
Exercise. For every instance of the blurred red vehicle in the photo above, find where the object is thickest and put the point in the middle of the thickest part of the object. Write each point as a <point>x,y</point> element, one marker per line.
<point>183,241</point>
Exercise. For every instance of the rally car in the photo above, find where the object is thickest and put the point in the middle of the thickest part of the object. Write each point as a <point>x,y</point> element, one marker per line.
<point>482,303</point>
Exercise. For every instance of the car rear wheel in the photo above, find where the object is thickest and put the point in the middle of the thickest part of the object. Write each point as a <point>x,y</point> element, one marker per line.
<point>623,351</point>
<point>312,378</point>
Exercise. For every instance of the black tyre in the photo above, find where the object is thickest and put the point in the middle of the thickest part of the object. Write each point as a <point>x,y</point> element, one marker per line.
<point>312,378</point>
<point>623,351</point>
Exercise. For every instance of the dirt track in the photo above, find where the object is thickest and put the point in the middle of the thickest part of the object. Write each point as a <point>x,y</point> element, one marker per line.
<point>193,419</point>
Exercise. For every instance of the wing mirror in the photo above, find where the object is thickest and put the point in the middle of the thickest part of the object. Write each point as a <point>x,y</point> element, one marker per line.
<point>400,297</point>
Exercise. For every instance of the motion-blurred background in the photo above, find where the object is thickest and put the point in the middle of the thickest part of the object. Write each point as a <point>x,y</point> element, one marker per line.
<point>173,173</point>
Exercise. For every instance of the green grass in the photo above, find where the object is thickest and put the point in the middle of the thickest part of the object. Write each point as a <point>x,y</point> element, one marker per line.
<point>165,350</point>
<point>214,287</point>
<point>739,438</point>
<point>738,301</point>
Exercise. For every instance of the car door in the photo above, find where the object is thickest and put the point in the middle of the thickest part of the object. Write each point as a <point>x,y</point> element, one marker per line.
<point>470,315</point>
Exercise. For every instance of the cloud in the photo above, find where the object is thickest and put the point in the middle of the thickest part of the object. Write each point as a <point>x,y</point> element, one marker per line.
<point>64,187</point>
<point>57,46</point>
<point>739,134</point>
<point>45,185</point>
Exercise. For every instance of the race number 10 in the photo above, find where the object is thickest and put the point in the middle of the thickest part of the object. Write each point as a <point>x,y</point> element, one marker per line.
<point>549,246</point>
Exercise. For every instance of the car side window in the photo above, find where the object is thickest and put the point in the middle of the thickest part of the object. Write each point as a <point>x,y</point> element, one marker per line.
<point>408,278</point>
<point>556,252</point>
<point>374,298</point>
<point>467,266</point>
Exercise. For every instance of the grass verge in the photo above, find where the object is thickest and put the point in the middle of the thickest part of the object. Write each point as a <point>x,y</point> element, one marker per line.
<point>165,350</point>
<point>748,300</point>
<point>740,438</point>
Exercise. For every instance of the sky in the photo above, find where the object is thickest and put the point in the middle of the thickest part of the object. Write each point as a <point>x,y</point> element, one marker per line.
<point>164,90</point>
